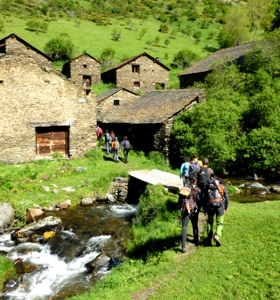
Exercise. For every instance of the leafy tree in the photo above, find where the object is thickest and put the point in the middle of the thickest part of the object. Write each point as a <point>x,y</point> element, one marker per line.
<point>163,28</point>
<point>184,58</point>
<point>59,48</point>
<point>236,28</point>
<point>37,25</point>
<point>167,42</point>
<point>107,56</point>
<point>116,34</point>
<point>142,33</point>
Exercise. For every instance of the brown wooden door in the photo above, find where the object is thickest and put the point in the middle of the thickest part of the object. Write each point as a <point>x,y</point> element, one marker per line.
<point>51,140</point>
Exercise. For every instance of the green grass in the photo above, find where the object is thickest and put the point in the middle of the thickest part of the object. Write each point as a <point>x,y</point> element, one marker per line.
<point>6,267</point>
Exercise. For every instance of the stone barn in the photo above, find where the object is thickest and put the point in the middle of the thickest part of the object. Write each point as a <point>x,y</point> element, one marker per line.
<point>114,98</point>
<point>14,45</point>
<point>83,70</point>
<point>201,69</point>
<point>139,73</point>
<point>42,112</point>
<point>148,120</point>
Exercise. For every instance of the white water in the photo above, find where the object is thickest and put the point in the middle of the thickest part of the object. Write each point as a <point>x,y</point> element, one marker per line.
<point>52,273</point>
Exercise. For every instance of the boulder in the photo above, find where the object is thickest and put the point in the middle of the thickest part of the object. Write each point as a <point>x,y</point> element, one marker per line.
<point>33,214</point>
<point>25,233</point>
<point>18,265</point>
<point>7,215</point>
<point>87,201</point>
<point>100,261</point>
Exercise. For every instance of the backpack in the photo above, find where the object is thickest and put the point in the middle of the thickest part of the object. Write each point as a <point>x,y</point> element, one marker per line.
<point>107,137</point>
<point>202,177</point>
<point>116,145</point>
<point>127,145</point>
<point>193,170</point>
<point>215,194</point>
<point>187,202</point>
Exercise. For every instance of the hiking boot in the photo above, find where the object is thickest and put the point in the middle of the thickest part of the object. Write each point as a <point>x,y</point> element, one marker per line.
<point>217,240</point>
<point>184,250</point>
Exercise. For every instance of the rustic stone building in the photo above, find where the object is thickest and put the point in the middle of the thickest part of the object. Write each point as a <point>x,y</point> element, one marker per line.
<point>14,45</point>
<point>200,70</point>
<point>113,98</point>
<point>141,72</point>
<point>83,70</point>
<point>148,120</point>
<point>42,112</point>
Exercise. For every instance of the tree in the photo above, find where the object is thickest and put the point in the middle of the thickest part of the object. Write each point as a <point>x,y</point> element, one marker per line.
<point>59,48</point>
<point>236,28</point>
<point>142,33</point>
<point>37,25</point>
<point>184,58</point>
<point>167,42</point>
<point>116,34</point>
<point>107,56</point>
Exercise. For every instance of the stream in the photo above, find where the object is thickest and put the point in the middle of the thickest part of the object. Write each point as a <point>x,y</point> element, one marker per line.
<point>99,228</point>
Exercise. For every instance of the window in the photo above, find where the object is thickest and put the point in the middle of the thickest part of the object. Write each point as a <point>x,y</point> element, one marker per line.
<point>1,81</point>
<point>116,102</point>
<point>85,66</point>
<point>159,86</point>
<point>137,84</point>
<point>135,69</point>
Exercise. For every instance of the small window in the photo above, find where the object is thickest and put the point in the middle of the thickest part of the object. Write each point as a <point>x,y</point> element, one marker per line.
<point>159,86</point>
<point>85,66</point>
<point>1,81</point>
<point>137,84</point>
<point>116,102</point>
<point>135,69</point>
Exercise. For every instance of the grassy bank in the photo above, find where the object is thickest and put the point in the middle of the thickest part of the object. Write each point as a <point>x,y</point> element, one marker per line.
<point>245,267</point>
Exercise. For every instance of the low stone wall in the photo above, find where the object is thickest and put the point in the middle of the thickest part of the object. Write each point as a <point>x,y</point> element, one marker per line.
<point>118,190</point>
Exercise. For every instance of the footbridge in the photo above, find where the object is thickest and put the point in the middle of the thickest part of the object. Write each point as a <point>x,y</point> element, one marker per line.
<point>170,181</point>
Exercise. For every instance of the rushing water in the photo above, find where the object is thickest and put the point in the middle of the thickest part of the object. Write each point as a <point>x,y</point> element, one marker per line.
<point>100,228</point>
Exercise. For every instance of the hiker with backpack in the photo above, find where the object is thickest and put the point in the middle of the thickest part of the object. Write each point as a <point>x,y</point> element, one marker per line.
<point>184,171</point>
<point>195,159</point>
<point>203,177</point>
<point>107,141</point>
<point>115,149</point>
<point>194,169</point>
<point>99,132</point>
<point>126,147</point>
<point>218,202</point>
<point>187,205</point>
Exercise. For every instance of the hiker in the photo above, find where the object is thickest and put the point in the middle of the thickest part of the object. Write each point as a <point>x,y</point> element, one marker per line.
<point>99,132</point>
<point>115,149</point>
<point>184,171</point>
<point>107,141</point>
<point>187,205</point>
<point>194,169</point>
<point>126,148</point>
<point>218,202</point>
<point>202,182</point>
<point>195,159</point>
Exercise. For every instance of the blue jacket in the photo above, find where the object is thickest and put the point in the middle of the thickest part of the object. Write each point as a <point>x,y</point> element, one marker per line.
<point>184,170</point>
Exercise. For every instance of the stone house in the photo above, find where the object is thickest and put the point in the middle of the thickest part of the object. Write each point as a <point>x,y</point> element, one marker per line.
<point>142,72</point>
<point>42,111</point>
<point>114,98</point>
<point>201,69</point>
<point>83,70</point>
<point>14,45</point>
<point>148,120</point>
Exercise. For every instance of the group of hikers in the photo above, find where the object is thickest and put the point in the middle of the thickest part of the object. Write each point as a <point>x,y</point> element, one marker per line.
<point>202,191</point>
<point>113,145</point>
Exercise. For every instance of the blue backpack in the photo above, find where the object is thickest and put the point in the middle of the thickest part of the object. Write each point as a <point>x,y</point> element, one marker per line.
<point>193,170</point>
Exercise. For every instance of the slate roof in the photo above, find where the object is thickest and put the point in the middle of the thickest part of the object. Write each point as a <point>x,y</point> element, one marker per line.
<point>123,63</point>
<point>153,107</point>
<point>2,41</point>
<point>233,53</point>
<point>111,92</point>
<point>86,55</point>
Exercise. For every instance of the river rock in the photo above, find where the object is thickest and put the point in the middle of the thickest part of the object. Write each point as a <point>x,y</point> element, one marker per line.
<point>100,261</point>
<point>110,197</point>
<point>66,245</point>
<point>37,228</point>
<point>33,214</point>
<point>18,265</point>
<point>7,215</point>
<point>87,201</point>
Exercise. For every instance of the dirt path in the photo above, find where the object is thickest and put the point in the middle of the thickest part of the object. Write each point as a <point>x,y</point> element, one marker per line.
<point>191,248</point>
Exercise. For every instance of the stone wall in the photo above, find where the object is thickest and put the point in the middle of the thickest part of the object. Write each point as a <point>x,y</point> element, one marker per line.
<point>78,69</point>
<point>150,74</point>
<point>15,47</point>
<point>107,104</point>
<point>32,97</point>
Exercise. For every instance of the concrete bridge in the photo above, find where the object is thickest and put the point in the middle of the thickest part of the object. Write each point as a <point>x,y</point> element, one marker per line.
<point>170,181</point>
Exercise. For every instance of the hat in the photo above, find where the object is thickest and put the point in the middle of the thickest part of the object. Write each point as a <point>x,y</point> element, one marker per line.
<point>185,191</point>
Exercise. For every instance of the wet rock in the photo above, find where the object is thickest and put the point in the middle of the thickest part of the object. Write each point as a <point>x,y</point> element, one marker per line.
<point>66,245</point>
<point>102,260</point>
<point>62,205</point>
<point>87,201</point>
<point>110,197</point>
<point>7,215</point>
<point>256,185</point>
<point>47,224</point>
<point>18,265</point>
<point>33,214</point>
<point>69,189</point>
<point>26,248</point>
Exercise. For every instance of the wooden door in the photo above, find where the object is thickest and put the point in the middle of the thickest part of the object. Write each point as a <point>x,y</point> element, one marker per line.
<point>51,140</point>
